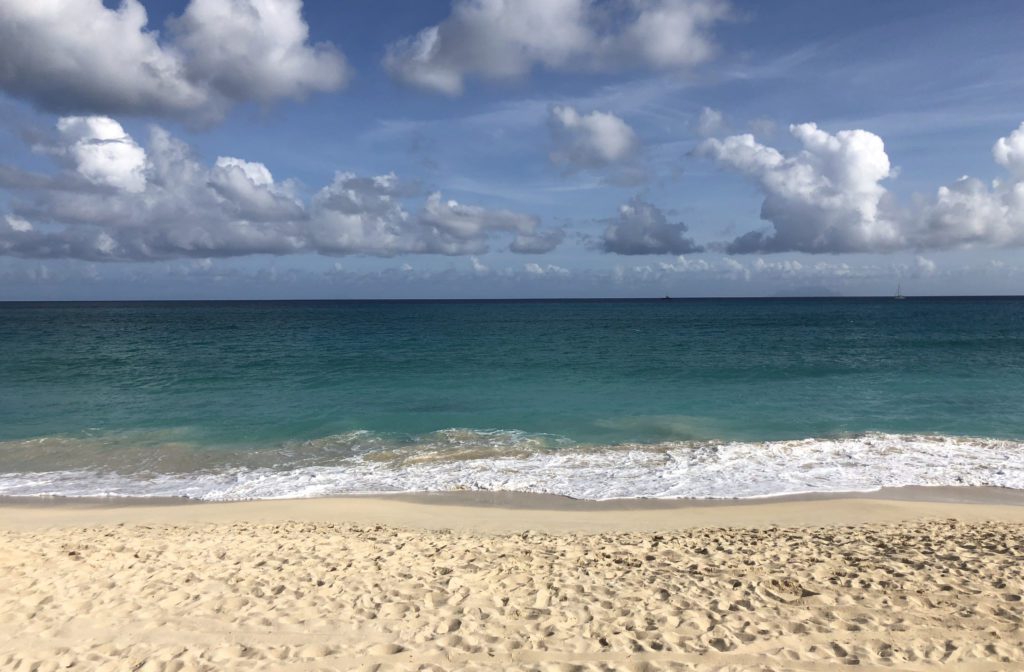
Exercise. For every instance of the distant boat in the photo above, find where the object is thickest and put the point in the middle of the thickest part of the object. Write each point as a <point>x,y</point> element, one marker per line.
<point>666,298</point>
<point>899,294</point>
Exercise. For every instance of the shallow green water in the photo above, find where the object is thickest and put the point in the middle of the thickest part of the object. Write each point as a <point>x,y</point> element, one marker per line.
<point>180,387</point>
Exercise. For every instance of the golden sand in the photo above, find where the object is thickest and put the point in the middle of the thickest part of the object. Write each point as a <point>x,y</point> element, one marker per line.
<point>181,593</point>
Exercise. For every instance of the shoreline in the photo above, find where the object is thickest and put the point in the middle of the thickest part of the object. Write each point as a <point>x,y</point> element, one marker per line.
<point>509,512</point>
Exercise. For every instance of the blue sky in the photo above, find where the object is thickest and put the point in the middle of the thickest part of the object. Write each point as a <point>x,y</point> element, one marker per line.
<point>481,148</point>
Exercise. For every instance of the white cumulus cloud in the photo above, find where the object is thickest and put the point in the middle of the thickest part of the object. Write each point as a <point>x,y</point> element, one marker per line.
<point>80,56</point>
<point>969,212</point>
<point>1009,152</point>
<point>589,140</point>
<point>828,197</point>
<point>255,49</point>
<point>501,39</point>
<point>103,153</point>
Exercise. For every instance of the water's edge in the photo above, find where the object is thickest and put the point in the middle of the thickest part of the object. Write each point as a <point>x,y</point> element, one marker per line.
<point>967,495</point>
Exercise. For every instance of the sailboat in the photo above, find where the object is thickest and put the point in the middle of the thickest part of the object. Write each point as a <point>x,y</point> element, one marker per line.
<point>899,294</point>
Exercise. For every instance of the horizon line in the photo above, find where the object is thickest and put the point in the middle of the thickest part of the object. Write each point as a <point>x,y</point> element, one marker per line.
<point>520,299</point>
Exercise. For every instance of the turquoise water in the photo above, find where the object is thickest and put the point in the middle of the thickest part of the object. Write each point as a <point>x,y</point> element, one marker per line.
<point>586,398</point>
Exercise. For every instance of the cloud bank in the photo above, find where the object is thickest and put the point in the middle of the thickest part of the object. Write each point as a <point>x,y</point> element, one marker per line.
<point>829,197</point>
<point>115,200</point>
<point>504,39</point>
<point>78,56</point>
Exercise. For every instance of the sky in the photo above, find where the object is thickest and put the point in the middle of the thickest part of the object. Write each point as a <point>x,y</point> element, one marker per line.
<point>220,149</point>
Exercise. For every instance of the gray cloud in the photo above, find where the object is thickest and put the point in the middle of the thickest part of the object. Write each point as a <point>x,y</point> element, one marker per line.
<point>643,228</point>
<point>128,202</point>
<point>829,197</point>
<point>12,177</point>
<point>502,39</point>
<point>249,188</point>
<point>590,140</point>
<point>539,242</point>
<point>79,56</point>
<point>365,216</point>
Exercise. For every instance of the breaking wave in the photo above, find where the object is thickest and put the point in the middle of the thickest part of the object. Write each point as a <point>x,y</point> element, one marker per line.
<point>498,460</point>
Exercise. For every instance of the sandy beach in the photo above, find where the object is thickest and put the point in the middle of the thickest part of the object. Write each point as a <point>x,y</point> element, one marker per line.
<point>505,582</point>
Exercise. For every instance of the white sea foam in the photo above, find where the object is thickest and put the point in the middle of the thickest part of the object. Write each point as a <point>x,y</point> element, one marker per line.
<point>518,462</point>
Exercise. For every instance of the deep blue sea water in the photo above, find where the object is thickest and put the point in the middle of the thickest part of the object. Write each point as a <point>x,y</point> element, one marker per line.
<point>696,398</point>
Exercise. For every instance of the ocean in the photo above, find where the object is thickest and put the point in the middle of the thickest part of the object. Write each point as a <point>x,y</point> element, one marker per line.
<point>588,399</point>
